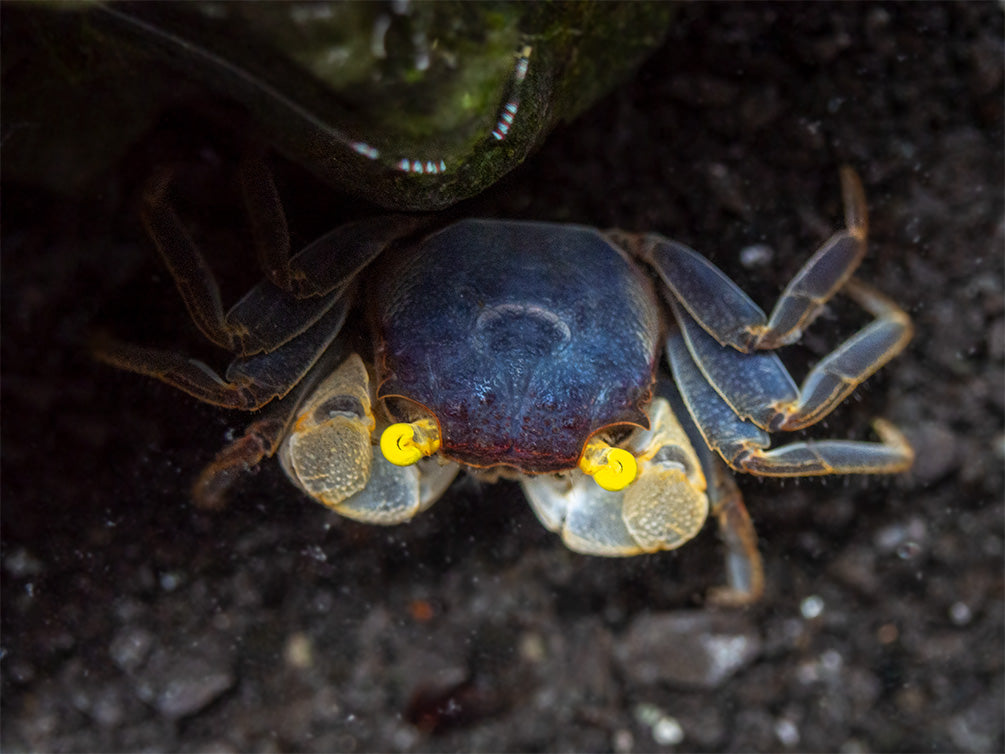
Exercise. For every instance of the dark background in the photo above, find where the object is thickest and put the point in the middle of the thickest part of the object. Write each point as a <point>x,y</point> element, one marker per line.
<point>132,621</point>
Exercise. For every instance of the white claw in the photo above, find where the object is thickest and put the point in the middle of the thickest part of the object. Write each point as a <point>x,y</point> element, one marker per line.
<point>662,509</point>
<point>587,516</point>
<point>329,454</point>
<point>395,494</point>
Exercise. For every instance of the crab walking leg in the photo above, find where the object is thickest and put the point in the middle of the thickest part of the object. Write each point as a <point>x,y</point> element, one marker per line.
<point>269,231</point>
<point>837,375</point>
<point>331,262</point>
<point>323,272</point>
<point>892,455</point>
<point>744,447</point>
<point>192,275</point>
<point>326,264</point>
<point>744,567</point>
<point>251,382</point>
<point>263,320</point>
<point>728,314</point>
<point>299,290</point>
<point>757,386</point>
<point>260,440</point>
<point>268,319</point>
<point>825,272</point>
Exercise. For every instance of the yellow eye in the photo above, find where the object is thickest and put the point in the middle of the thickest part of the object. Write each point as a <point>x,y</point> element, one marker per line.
<point>404,444</point>
<point>612,468</point>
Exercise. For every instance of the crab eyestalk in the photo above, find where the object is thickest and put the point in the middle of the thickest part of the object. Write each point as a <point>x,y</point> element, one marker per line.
<point>612,468</point>
<point>404,444</point>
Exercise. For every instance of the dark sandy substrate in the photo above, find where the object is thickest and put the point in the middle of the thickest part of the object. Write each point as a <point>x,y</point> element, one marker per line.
<point>133,622</point>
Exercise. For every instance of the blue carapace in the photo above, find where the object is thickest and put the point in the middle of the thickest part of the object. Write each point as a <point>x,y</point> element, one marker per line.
<point>486,327</point>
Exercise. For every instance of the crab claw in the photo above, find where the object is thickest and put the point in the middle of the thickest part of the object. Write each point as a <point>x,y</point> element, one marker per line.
<point>329,454</point>
<point>662,509</point>
<point>394,494</point>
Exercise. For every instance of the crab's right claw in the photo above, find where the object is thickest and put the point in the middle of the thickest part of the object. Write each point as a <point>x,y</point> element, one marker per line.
<point>327,453</point>
<point>394,494</point>
<point>587,516</point>
<point>664,507</point>
<point>330,456</point>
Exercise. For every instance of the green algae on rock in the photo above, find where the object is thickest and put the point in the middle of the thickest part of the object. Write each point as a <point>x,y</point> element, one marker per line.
<point>411,105</point>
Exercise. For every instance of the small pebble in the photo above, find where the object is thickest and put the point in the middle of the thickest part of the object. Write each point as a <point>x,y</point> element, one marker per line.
<point>756,255</point>
<point>668,732</point>
<point>106,708</point>
<point>888,633</point>
<point>130,647</point>
<point>904,539</point>
<point>831,660</point>
<point>811,607</point>
<point>909,550</point>
<point>787,733</point>
<point>191,687</point>
<point>960,613</point>
<point>299,651</point>
<point>665,729</point>
<point>170,581</point>
<point>688,648</point>
<point>21,563</point>
<point>180,681</point>
<point>532,647</point>
<point>624,741</point>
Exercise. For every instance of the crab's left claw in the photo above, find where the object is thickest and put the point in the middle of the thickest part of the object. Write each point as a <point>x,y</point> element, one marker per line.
<point>664,507</point>
<point>329,455</point>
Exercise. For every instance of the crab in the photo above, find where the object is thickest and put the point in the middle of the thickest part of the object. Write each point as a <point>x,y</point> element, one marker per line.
<point>531,351</point>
